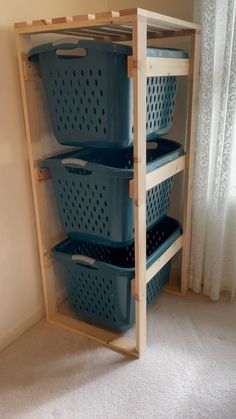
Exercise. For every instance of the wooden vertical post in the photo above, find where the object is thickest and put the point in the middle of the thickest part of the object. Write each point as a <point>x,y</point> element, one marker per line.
<point>28,92</point>
<point>139,100</point>
<point>190,153</point>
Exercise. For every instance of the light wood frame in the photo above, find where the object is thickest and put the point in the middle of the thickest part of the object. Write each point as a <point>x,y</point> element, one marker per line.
<point>135,25</point>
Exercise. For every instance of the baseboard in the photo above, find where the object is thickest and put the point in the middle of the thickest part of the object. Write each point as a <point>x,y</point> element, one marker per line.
<point>21,327</point>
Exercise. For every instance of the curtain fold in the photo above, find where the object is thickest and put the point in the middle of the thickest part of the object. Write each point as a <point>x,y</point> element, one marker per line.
<point>212,269</point>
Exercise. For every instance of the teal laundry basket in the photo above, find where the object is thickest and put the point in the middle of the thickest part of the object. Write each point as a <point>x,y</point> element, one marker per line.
<point>98,278</point>
<point>92,191</point>
<point>90,95</point>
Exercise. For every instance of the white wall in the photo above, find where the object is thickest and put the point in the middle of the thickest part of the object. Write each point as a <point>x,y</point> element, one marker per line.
<point>21,302</point>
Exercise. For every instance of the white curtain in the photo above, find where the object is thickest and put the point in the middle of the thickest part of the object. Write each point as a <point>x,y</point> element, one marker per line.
<point>213,252</point>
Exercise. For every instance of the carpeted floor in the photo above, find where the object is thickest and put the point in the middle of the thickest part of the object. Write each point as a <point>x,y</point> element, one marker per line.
<point>188,371</point>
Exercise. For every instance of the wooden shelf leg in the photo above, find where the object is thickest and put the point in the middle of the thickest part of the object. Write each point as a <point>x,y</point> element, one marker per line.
<point>28,91</point>
<point>139,97</point>
<point>190,153</point>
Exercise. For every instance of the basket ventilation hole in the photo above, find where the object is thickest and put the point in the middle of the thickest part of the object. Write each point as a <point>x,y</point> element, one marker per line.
<point>79,100</point>
<point>91,294</point>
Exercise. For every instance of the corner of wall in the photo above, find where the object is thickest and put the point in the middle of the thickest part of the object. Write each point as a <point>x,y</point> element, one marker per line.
<point>21,327</point>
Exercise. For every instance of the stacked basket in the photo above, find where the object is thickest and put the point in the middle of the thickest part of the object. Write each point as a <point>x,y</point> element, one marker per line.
<point>90,102</point>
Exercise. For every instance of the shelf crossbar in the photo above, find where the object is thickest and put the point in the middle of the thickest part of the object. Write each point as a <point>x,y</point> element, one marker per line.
<point>163,259</point>
<point>160,66</point>
<point>110,339</point>
<point>160,174</point>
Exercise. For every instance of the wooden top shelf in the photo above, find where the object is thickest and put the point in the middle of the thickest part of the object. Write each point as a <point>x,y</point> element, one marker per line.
<point>115,26</point>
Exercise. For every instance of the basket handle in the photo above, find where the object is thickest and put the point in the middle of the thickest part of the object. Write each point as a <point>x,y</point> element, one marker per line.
<point>152,146</point>
<point>84,259</point>
<point>73,52</point>
<point>74,162</point>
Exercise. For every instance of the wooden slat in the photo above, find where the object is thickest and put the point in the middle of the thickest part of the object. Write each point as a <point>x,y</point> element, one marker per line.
<point>47,21</point>
<point>78,22</point>
<point>56,20</point>
<point>139,106</point>
<point>39,22</point>
<point>169,253</point>
<point>158,66</point>
<point>190,149</point>
<point>114,32</point>
<point>109,31</point>
<point>121,29</point>
<point>82,18</point>
<point>87,34</point>
<point>24,24</point>
<point>99,33</point>
<point>122,34</point>
<point>160,174</point>
<point>112,13</point>
<point>90,35</point>
<point>157,21</point>
<point>105,337</point>
<point>63,19</point>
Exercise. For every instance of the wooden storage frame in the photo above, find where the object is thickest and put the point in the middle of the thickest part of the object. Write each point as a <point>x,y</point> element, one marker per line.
<point>135,25</point>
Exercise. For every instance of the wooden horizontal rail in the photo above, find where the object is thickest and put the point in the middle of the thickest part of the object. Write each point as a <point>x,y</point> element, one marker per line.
<point>154,20</point>
<point>169,253</point>
<point>160,174</point>
<point>157,66</point>
<point>159,20</point>
<point>152,33</point>
<point>160,66</point>
<point>105,337</point>
<point>121,33</point>
<point>47,26</point>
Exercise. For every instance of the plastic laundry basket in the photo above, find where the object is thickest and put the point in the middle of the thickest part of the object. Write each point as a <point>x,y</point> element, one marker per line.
<point>98,278</point>
<point>90,95</point>
<point>92,191</point>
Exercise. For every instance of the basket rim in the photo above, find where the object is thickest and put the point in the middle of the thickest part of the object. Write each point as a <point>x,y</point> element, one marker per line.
<point>103,46</point>
<point>59,255</point>
<point>82,157</point>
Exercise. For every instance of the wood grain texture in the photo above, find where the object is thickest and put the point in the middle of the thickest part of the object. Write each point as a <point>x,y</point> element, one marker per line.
<point>160,174</point>
<point>139,106</point>
<point>111,340</point>
<point>156,21</point>
<point>162,260</point>
<point>29,102</point>
<point>112,13</point>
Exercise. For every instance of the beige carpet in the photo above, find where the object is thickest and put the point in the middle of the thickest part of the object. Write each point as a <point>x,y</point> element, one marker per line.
<point>188,371</point>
